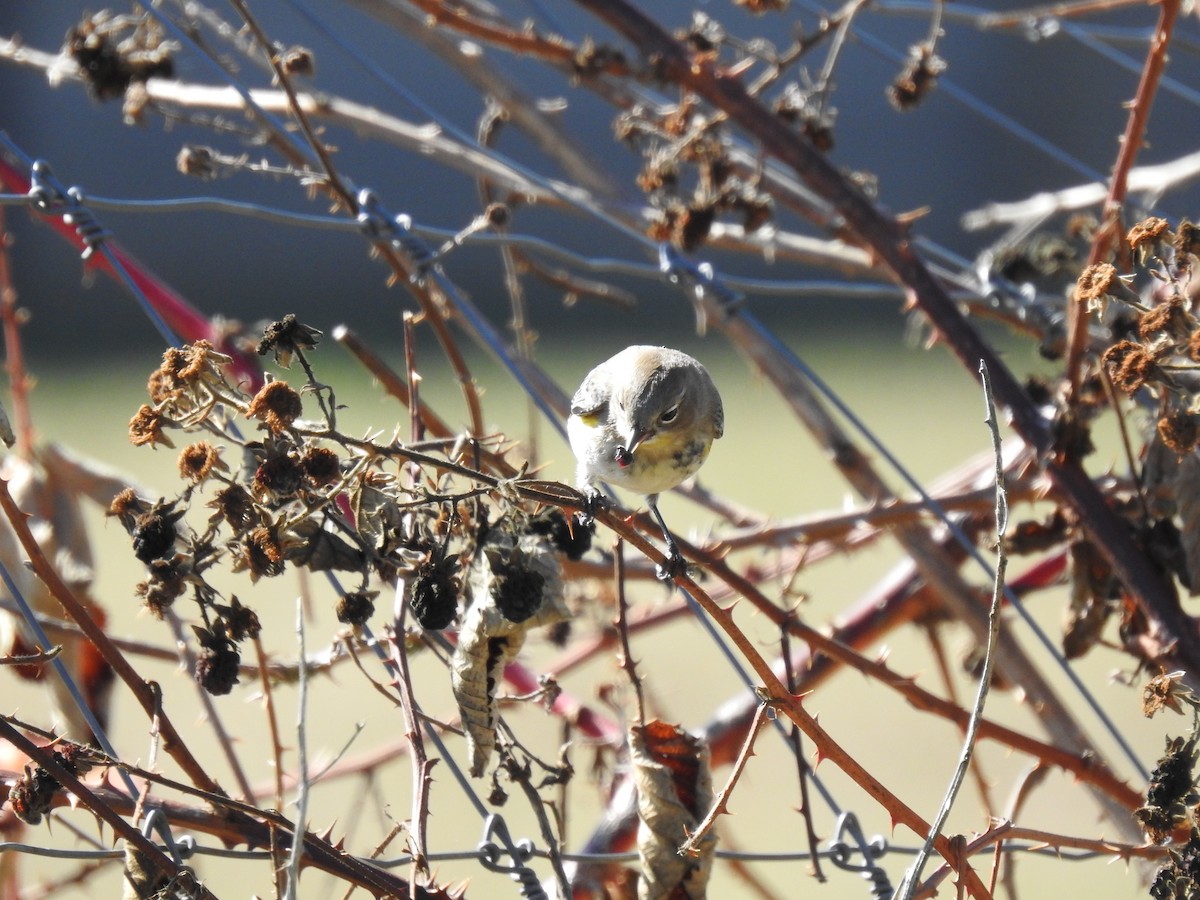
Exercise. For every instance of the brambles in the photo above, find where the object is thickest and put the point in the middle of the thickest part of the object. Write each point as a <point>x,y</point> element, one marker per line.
<point>306,495</point>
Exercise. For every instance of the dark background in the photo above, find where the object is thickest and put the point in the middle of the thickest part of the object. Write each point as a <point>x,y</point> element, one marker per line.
<point>943,156</point>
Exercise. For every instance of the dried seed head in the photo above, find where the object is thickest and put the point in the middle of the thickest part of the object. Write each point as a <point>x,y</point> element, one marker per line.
<point>278,477</point>
<point>146,428</point>
<point>116,51</point>
<point>241,622</point>
<point>517,588</point>
<point>197,161</point>
<point>1165,691</point>
<point>235,505</point>
<point>1095,283</point>
<point>1129,365</point>
<point>298,61</point>
<point>571,537</point>
<point>321,465</point>
<point>126,507</point>
<point>196,461</point>
<point>261,554</point>
<point>154,531</point>
<point>356,607</point>
<point>286,337</point>
<point>1187,241</point>
<point>33,795</point>
<point>165,585</point>
<point>1180,430</point>
<point>218,661</point>
<point>276,405</point>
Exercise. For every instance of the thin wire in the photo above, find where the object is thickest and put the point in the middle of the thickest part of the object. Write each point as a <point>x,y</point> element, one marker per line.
<point>829,289</point>
<point>60,669</point>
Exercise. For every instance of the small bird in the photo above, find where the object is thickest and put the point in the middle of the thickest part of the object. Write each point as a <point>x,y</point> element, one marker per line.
<point>644,420</point>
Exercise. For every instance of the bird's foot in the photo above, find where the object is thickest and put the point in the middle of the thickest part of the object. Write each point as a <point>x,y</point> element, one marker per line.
<point>674,566</point>
<point>593,501</point>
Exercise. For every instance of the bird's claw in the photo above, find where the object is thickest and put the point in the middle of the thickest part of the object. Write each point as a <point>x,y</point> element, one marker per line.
<point>593,501</point>
<point>674,566</point>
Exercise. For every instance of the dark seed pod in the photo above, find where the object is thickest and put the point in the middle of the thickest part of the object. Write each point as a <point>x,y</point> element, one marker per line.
<point>433,594</point>
<point>517,589</point>
<point>356,607</point>
<point>154,532</point>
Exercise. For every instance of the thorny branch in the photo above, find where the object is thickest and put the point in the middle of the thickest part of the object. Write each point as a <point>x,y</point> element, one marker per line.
<point>481,556</point>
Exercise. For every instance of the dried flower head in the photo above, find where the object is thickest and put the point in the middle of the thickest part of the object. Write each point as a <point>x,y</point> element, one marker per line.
<point>218,660</point>
<point>261,554</point>
<point>241,622</point>
<point>1146,233</point>
<point>279,476</point>
<point>196,461</point>
<point>276,405</point>
<point>1168,317</point>
<point>166,584</point>
<point>146,427</point>
<point>1187,241</point>
<point>1165,691</point>
<point>1095,283</point>
<point>321,465</point>
<point>127,506</point>
<point>1180,430</point>
<point>1129,365</point>
<point>115,51</point>
<point>236,507</point>
<point>286,337</point>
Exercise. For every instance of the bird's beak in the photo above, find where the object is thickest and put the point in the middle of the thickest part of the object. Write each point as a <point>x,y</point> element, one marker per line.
<point>635,439</point>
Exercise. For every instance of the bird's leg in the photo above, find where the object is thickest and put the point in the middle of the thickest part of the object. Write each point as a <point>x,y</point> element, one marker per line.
<point>675,565</point>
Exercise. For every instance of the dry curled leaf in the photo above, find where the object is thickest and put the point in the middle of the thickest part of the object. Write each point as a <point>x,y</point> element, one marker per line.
<point>507,573</point>
<point>674,783</point>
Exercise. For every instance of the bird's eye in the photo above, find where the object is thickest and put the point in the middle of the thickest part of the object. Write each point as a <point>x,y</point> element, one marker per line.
<point>669,416</point>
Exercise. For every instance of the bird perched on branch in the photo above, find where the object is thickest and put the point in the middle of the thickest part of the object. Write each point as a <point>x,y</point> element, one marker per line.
<point>644,420</point>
